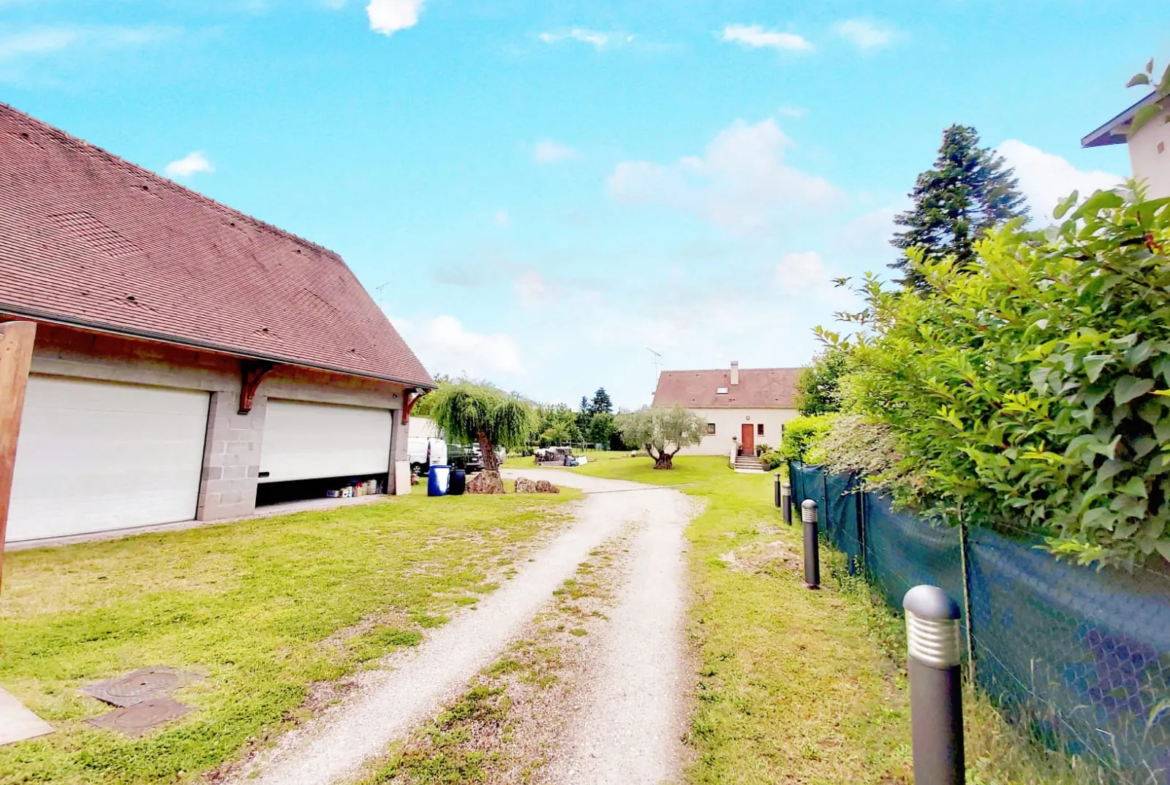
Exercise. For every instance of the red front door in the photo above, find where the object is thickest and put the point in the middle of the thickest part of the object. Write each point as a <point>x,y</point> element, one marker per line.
<point>747,440</point>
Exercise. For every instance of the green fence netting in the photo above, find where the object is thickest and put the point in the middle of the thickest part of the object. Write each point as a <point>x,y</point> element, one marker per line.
<point>1080,657</point>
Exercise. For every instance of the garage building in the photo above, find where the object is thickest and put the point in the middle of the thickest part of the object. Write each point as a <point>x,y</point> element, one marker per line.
<point>189,359</point>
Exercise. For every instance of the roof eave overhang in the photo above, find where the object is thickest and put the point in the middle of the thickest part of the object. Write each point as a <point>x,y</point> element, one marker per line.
<point>189,343</point>
<point>1114,130</point>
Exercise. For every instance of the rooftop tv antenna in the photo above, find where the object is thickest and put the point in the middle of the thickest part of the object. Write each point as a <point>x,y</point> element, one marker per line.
<point>657,357</point>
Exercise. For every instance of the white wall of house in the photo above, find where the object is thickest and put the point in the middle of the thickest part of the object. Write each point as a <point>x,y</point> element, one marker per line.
<point>1149,154</point>
<point>729,423</point>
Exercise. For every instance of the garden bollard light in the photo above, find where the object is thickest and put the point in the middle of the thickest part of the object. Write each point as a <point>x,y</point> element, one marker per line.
<point>812,555</point>
<point>936,689</point>
<point>777,489</point>
<point>786,501</point>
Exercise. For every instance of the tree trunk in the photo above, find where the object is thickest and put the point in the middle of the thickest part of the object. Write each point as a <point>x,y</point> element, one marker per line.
<point>664,461</point>
<point>491,463</point>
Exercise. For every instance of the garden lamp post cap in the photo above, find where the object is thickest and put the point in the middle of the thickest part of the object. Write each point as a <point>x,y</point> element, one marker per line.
<point>930,602</point>
<point>808,511</point>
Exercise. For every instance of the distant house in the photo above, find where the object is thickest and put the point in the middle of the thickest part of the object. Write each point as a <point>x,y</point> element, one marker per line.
<point>190,361</point>
<point>748,405</point>
<point>1149,149</point>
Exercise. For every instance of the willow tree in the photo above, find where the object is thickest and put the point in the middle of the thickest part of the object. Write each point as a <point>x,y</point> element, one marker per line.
<point>484,415</point>
<point>662,431</point>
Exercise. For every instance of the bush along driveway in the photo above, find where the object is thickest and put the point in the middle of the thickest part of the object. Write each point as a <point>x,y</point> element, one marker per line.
<point>274,613</point>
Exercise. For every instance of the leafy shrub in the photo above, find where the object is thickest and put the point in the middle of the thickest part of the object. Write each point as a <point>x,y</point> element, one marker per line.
<point>817,387</point>
<point>800,433</point>
<point>771,460</point>
<point>853,443</point>
<point>1032,392</point>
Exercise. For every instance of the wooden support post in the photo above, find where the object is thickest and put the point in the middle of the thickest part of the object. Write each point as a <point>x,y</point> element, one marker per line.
<point>16,346</point>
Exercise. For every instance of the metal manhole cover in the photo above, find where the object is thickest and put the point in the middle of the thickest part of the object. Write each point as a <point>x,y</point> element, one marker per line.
<point>138,686</point>
<point>142,717</point>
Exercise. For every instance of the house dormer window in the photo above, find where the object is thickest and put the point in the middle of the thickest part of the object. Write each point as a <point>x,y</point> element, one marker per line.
<point>721,391</point>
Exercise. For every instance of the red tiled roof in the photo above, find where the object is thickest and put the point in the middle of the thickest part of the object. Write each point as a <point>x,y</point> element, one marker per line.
<point>758,388</point>
<point>90,240</point>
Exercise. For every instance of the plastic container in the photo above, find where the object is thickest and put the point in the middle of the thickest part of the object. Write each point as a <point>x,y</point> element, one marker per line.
<point>438,479</point>
<point>458,482</point>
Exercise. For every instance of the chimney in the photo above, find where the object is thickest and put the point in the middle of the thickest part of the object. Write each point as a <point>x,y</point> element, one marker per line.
<point>735,372</point>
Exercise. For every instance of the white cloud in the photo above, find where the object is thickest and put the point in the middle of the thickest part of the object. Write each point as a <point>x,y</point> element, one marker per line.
<point>533,291</point>
<point>503,219</point>
<point>389,16</point>
<point>42,41</point>
<point>1047,179</point>
<point>36,42</point>
<point>595,38</point>
<point>191,163</point>
<point>801,271</point>
<point>756,37</point>
<point>547,151</point>
<point>793,111</point>
<point>867,237</point>
<point>805,273</point>
<point>741,182</point>
<point>444,345</point>
<point>866,35</point>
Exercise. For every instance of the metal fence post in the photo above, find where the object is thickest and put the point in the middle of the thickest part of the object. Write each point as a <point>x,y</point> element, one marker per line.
<point>936,686</point>
<point>966,566</point>
<point>812,555</point>
<point>786,501</point>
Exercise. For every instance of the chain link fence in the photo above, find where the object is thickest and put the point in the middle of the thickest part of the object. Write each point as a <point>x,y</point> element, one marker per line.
<point>1077,656</point>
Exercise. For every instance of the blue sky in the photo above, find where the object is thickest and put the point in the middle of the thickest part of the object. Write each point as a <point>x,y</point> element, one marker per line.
<point>537,192</point>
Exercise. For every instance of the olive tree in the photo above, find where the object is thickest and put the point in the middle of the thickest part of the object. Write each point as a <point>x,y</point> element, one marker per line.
<point>662,430</point>
<point>484,415</point>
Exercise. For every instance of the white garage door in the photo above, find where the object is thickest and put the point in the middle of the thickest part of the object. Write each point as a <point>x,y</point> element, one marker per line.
<point>95,456</point>
<point>304,441</point>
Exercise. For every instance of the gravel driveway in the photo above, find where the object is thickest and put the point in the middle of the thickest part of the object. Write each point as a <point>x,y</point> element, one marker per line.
<point>627,723</point>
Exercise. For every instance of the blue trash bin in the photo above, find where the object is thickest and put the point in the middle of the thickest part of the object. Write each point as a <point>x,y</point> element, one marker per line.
<point>437,480</point>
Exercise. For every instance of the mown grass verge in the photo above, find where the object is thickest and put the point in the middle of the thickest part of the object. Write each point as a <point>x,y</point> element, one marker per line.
<point>799,686</point>
<point>265,609</point>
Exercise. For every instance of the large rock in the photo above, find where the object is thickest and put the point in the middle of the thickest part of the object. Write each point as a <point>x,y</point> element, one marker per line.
<point>544,486</point>
<point>486,482</point>
<point>525,485</point>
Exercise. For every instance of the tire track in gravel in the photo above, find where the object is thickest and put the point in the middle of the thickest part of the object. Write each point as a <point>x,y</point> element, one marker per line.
<point>630,708</point>
<point>411,686</point>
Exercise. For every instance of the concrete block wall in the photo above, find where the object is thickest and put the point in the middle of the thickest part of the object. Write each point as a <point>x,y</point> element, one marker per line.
<point>231,457</point>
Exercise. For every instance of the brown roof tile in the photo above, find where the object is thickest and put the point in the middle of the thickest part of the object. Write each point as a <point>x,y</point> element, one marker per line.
<point>758,388</point>
<point>91,240</point>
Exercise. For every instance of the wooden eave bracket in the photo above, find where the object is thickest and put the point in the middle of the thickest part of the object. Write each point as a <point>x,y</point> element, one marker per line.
<point>252,372</point>
<point>412,397</point>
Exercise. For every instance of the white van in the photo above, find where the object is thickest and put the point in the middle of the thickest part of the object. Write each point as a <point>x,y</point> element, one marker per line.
<point>425,446</point>
<point>425,451</point>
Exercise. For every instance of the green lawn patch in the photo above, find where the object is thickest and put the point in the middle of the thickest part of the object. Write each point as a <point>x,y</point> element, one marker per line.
<point>263,608</point>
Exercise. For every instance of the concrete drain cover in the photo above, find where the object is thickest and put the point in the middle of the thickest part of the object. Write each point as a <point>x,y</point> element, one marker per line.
<point>140,685</point>
<point>141,717</point>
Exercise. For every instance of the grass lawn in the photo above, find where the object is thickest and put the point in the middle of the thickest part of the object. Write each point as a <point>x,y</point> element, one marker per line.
<point>799,686</point>
<point>264,609</point>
